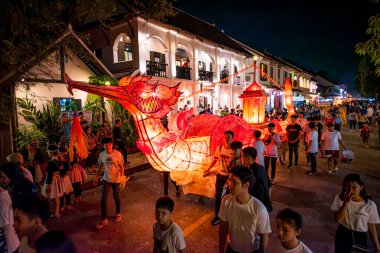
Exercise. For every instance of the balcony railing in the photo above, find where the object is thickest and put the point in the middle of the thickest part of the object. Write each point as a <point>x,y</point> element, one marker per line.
<point>222,78</point>
<point>206,75</point>
<point>183,72</point>
<point>156,69</point>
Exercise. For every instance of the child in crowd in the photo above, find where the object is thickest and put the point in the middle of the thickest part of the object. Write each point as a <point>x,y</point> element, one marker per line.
<point>167,235</point>
<point>260,147</point>
<point>312,148</point>
<point>67,187</point>
<point>77,176</point>
<point>365,133</point>
<point>52,188</point>
<point>31,214</point>
<point>236,146</point>
<point>289,225</point>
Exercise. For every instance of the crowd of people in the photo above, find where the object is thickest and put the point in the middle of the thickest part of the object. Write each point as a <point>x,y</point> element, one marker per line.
<point>30,195</point>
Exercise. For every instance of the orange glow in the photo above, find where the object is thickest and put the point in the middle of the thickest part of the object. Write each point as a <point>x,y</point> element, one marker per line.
<point>254,104</point>
<point>289,97</point>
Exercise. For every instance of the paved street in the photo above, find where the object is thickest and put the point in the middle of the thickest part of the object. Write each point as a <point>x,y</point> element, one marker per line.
<point>310,195</point>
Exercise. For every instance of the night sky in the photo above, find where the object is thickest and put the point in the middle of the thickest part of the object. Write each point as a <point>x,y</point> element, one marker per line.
<point>317,35</point>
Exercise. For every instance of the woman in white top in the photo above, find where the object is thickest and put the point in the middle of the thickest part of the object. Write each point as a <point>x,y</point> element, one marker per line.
<point>356,215</point>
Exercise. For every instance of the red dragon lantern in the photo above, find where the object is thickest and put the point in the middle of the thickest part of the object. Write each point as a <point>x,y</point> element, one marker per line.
<point>185,151</point>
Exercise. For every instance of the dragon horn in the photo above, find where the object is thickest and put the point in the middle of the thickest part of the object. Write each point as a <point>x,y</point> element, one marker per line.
<point>127,80</point>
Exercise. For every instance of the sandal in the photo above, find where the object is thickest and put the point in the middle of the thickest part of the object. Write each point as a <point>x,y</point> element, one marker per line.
<point>118,217</point>
<point>101,224</point>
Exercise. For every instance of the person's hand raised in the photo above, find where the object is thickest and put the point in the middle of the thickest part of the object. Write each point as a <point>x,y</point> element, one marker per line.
<point>347,196</point>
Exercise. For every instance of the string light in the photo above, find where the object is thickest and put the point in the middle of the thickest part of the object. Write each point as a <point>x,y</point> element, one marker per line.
<point>264,74</point>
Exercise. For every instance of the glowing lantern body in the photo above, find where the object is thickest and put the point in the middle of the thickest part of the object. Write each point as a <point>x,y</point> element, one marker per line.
<point>289,97</point>
<point>186,151</point>
<point>254,104</point>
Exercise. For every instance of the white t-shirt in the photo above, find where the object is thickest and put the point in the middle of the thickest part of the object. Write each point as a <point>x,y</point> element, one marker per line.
<point>171,240</point>
<point>6,221</point>
<point>358,215</point>
<point>113,166</point>
<point>272,147</point>
<point>260,148</point>
<point>331,140</point>
<point>224,157</point>
<point>244,222</point>
<point>274,246</point>
<point>313,137</point>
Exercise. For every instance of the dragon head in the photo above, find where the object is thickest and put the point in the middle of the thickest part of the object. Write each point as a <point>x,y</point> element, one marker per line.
<point>134,92</point>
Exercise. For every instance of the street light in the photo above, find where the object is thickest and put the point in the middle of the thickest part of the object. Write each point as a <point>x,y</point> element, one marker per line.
<point>254,68</point>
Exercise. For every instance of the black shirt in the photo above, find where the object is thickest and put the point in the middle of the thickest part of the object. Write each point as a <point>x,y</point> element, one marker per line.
<point>260,189</point>
<point>293,131</point>
<point>51,167</point>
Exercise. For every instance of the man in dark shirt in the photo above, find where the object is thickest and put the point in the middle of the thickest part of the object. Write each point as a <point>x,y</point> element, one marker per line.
<point>260,189</point>
<point>118,142</point>
<point>293,131</point>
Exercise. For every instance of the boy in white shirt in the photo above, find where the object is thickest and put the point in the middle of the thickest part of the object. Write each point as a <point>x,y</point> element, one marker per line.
<point>167,235</point>
<point>113,163</point>
<point>260,147</point>
<point>242,216</point>
<point>289,225</point>
<point>330,141</point>
<point>312,148</point>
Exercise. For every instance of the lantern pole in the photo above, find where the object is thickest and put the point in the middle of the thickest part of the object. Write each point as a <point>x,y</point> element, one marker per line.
<point>254,68</point>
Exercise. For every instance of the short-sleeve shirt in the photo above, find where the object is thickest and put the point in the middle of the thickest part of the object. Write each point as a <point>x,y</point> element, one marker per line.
<point>293,131</point>
<point>331,140</point>
<point>244,222</point>
<point>358,215</point>
<point>169,241</point>
<point>6,221</point>
<point>313,137</point>
<point>274,246</point>
<point>272,149</point>
<point>261,149</point>
<point>223,156</point>
<point>113,166</point>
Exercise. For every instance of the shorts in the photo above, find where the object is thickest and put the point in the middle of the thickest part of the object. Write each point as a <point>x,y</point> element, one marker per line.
<point>334,153</point>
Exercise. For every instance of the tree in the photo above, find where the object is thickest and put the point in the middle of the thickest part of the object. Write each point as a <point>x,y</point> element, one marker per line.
<point>371,47</point>
<point>366,80</point>
<point>28,27</point>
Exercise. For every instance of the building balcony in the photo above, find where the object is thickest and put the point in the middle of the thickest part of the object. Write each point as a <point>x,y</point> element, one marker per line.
<point>183,73</point>
<point>206,75</point>
<point>156,69</point>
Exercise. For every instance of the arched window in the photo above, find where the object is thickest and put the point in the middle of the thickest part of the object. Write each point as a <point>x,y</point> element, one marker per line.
<point>122,48</point>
